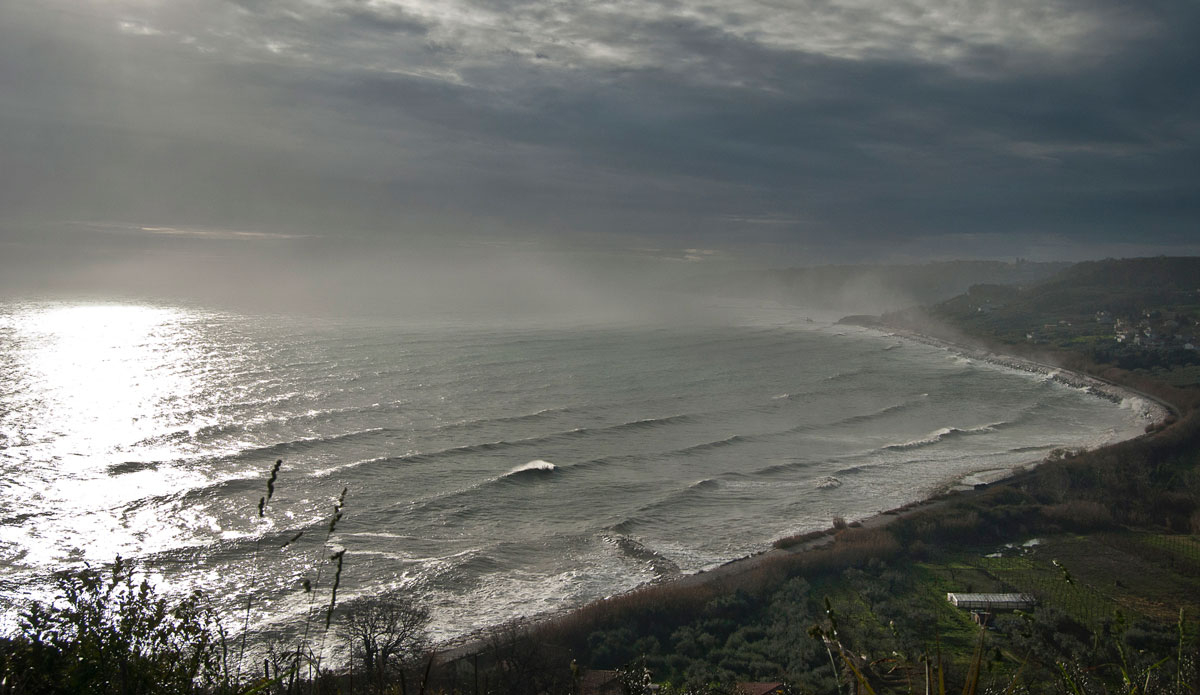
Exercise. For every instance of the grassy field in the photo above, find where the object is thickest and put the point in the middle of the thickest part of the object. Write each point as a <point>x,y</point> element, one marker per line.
<point>1090,577</point>
<point>1088,587</point>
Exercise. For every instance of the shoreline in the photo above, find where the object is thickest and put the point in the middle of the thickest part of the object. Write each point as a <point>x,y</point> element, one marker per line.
<point>1156,413</point>
<point>1158,410</point>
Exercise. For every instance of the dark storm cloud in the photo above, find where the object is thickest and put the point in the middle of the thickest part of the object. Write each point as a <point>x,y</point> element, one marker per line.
<point>886,127</point>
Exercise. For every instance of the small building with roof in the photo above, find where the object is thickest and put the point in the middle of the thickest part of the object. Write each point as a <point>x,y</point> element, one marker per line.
<point>982,606</point>
<point>991,602</point>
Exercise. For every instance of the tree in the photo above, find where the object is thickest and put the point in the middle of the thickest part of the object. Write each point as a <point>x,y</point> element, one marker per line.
<point>386,632</point>
<point>523,664</point>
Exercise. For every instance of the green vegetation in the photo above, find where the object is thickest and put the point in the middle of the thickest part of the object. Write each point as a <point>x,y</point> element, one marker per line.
<point>109,633</point>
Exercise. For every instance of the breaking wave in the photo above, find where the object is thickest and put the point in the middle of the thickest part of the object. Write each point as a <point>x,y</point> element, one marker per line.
<point>634,549</point>
<point>944,434</point>
<point>533,468</point>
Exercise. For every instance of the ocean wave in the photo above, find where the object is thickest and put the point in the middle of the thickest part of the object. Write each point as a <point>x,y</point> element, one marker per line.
<point>608,461</point>
<point>882,412</point>
<point>854,470</point>
<point>480,447</point>
<point>526,471</point>
<point>649,423</point>
<point>695,496</point>
<point>578,432</point>
<point>233,546</point>
<point>702,447</point>
<point>1030,449</point>
<point>506,419</point>
<point>781,468</point>
<point>856,419</point>
<point>634,549</point>
<point>219,428</point>
<point>436,454</point>
<point>458,572</point>
<point>132,467</point>
<point>1143,408</point>
<point>626,525</point>
<point>731,440</point>
<point>829,482</point>
<point>842,376</point>
<point>215,430</point>
<point>448,501</point>
<point>326,472</point>
<point>282,449</point>
<point>642,424</point>
<point>944,434</point>
<point>477,564</point>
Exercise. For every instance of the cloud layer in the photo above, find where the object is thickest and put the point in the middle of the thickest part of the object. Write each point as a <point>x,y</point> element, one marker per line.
<point>806,131</point>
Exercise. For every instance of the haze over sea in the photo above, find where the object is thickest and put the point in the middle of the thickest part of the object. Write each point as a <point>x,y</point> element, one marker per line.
<point>509,468</point>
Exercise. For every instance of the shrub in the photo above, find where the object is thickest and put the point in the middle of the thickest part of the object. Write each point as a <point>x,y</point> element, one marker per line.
<point>110,633</point>
<point>792,541</point>
<point>1079,515</point>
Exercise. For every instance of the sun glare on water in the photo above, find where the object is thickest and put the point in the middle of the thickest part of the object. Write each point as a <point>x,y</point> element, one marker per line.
<point>103,372</point>
<point>88,387</point>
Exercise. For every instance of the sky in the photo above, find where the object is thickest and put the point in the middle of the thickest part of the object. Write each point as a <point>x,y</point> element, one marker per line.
<point>178,141</point>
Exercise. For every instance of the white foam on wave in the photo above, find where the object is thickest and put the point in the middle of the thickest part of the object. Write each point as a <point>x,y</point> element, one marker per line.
<point>1140,406</point>
<point>829,482</point>
<point>1050,375</point>
<point>932,438</point>
<point>326,472</point>
<point>938,435</point>
<point>538,465</point>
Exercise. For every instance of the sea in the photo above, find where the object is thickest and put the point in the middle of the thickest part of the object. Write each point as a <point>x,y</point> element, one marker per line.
<point>497,468</point>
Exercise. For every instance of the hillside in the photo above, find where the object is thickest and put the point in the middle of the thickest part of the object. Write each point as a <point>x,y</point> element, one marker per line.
<point>1138,314</point>
<point>874,287</point>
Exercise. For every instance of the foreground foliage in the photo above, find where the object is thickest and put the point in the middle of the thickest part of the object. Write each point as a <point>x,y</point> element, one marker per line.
<point>107,632</point>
